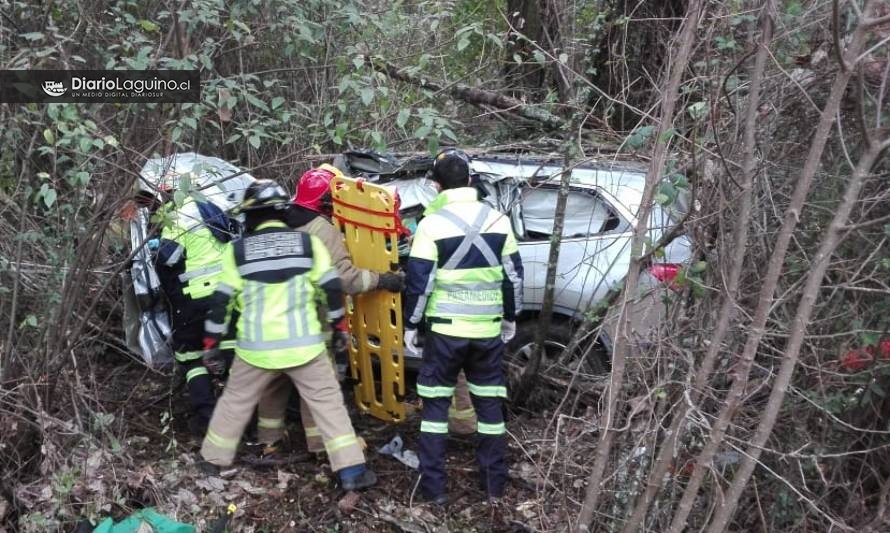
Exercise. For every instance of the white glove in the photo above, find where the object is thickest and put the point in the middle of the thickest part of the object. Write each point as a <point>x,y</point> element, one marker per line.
<point>411,348</point>
<point>508,330</point>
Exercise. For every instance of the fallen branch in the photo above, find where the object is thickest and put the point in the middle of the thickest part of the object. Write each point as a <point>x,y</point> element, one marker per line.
<point>472,95</point>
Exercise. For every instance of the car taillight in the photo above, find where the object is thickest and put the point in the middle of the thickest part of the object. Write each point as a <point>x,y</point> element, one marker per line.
<point>665,272</point>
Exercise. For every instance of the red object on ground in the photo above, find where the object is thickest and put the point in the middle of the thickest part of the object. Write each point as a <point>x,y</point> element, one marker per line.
<point>856,360</point>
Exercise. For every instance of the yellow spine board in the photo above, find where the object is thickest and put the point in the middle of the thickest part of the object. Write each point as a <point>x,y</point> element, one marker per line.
<point>365,215</point>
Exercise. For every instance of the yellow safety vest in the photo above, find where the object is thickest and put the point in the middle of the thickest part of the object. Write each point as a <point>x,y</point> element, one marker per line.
<point>472,250</point>
<point>276,277</point>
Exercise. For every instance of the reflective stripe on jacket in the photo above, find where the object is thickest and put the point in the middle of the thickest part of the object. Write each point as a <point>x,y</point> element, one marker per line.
<point>276,277</point>
<point>194,253</point>
<point>464,272</point>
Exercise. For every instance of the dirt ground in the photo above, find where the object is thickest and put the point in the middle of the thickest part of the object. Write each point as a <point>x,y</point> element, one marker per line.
<point>147,459</point>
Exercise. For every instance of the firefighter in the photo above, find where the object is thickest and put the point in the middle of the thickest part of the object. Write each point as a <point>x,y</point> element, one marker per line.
<point>465,276</point>
<point>188,263</point>
<point>310,212</point>
<point>277,276</point>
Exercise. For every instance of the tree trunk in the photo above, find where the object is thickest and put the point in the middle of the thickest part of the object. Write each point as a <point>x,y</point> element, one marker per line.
<point>740,244</point>
<point>675,72</point>
<point>546,316</point>
<point>770,281</point>
<point>526,76</point>
<point>798,329</point>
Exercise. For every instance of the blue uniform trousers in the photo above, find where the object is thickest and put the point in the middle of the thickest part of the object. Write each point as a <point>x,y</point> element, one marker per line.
<point>443,358</point>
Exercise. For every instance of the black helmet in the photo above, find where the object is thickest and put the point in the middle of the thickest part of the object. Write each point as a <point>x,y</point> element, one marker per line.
<point>264,194</point>
<point>451,168</point>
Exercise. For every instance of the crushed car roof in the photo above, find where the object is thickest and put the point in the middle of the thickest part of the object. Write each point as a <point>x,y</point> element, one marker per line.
<point>622,180</point>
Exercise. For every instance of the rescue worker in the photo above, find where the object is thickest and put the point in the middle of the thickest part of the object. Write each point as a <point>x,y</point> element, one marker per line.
<point>309,212</point>
<point>465,276</point>
<point>188,263</point>
<point>276,276</point>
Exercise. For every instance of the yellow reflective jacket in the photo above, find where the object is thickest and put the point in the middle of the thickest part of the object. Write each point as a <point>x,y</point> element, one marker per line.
<point>276,276</point>
<point>464,272</point>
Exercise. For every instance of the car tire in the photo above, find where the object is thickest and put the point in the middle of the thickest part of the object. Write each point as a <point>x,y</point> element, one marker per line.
<point>559,335</point>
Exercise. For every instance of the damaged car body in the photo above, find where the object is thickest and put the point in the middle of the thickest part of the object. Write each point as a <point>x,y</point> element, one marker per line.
<point>594,254</point>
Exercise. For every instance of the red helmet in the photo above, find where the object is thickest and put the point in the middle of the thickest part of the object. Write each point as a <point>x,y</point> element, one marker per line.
<point>314,189</point>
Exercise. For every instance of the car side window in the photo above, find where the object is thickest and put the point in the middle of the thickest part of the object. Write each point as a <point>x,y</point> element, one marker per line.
<point>586,214</point>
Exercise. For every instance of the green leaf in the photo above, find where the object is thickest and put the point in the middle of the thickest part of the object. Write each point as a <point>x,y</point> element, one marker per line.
<point>698,267</point>
<point>869,338</point>
<point>254,141</point>
<point>148,25</point>
<point>190,122</point>
<point>358,61</point>
<point>86,143</point>
<point>277,102</point>
<point>662,199</point>
<point>680,181</point>
<point>110,141</point>
<point>29,321</point>
<point>462,43</point>
<point>793,8</point>
<point>698,110</point>
<point>667,189</point>
<point>564,58</point>
<point>666,135</point>
<point>432,145</point>
<point>639,136</point>
<point>539,56</point>
<point>256,101</point>
<point>49,197</point>
<point>517,58</point>
<point>422,132</point>
<point>49,136</point>
<point>33,36</point>
<point>367,95</point>
<point>179,197</point>
<point>402,117</point>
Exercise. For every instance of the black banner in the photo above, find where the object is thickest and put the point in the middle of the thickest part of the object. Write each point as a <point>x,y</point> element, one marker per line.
<point>99,86</point>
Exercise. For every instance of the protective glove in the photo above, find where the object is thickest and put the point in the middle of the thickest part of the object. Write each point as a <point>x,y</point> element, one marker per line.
<point>411,348</point>
<point>214,361</point>
<point>508,330</point>
<point>391,281</point>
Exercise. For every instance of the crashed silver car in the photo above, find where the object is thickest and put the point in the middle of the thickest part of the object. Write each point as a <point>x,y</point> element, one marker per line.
<point>146,323</point>
<point>594,254</point>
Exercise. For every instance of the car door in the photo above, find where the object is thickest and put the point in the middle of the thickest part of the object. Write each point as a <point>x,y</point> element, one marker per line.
<point>593,253</point>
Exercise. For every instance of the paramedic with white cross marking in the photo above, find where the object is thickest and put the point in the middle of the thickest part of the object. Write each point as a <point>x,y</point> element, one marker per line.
<point>465,275</point>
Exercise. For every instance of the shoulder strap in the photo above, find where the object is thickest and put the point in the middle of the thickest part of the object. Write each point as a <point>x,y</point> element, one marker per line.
<point>471,238</point>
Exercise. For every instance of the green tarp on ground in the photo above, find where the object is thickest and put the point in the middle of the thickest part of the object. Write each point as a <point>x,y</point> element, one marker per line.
<point>145,521</point>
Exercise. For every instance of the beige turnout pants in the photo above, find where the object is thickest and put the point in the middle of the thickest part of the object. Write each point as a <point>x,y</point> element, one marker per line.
<point>318,388</point>
<point>273,405</point>
<point>271,412</point>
